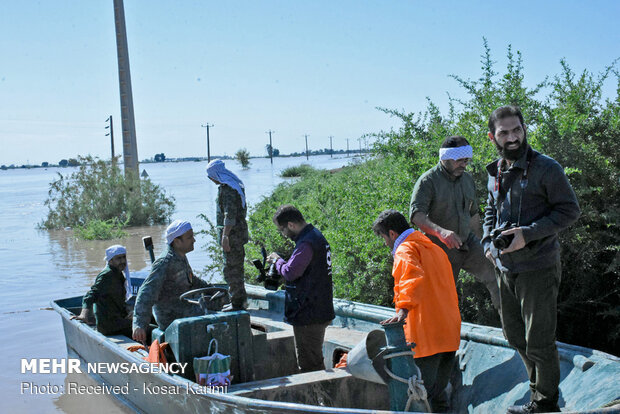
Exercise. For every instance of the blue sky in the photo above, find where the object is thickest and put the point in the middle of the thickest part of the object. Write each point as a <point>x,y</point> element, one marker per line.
<point>314,67</point>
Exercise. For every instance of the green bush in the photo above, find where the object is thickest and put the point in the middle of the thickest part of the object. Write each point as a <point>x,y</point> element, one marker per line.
<point>101,230</point>
<point>99,191</point>
<point>213,270</point>
<point>243,156</point>
<point>297,171</point>
<point>571,123</point>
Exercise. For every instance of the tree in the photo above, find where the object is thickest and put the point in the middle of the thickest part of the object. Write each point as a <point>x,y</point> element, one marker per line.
<point>243,156</point>
<point>63,163</point>
<point>160,157</point>
<point>99,191</point>
<point>271,151</point>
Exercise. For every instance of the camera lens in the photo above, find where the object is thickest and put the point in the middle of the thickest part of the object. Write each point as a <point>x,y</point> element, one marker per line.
<point>503,241</point>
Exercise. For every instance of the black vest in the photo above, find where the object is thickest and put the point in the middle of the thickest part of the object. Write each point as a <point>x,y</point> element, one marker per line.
<point>309,298</point>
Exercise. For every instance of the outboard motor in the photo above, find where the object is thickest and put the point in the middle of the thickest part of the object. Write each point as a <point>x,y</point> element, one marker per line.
<point>387,358</point>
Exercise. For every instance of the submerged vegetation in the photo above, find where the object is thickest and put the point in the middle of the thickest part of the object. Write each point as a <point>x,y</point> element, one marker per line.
<point>99,200</point>
<point>243,157</point>
<point>101,230</point>
<point>297,171</point>
<point>567,119</point>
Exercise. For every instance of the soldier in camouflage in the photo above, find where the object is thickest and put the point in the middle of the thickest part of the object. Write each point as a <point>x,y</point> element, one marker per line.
<point>171,276</point>
<point>233,229</point>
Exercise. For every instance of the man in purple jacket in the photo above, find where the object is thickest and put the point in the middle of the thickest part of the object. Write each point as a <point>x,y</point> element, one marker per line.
<point>308,304</point>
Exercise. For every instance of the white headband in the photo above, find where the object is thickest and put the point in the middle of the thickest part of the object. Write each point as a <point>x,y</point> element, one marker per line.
<point>177,228</point>
<point>456,153</point>
<point>113,251</point>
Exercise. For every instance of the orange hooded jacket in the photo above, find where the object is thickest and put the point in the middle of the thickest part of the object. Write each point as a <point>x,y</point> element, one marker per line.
<point>424,285</point>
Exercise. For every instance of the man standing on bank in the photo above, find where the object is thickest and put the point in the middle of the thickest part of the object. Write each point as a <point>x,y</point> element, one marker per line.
<point>170,277</point>
<point>108,294</point>
<point>233,230</point>
<point>425,297</point>
<point>444,206</point>
<point>530,201</point>
<point>309,302</point>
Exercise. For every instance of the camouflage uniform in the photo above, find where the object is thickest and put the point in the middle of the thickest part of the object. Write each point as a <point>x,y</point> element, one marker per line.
<point>170,277</point>
<point>231,212</point>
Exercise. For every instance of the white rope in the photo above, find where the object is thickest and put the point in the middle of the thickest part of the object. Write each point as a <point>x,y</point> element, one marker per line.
<point>415,384</point>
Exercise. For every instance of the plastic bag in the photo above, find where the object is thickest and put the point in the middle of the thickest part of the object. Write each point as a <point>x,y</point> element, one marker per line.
<point>214,369</point>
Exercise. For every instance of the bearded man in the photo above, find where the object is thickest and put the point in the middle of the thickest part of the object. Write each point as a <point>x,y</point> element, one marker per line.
<point>107,295</point>
<point>445,207</point>
<point>530,201</point>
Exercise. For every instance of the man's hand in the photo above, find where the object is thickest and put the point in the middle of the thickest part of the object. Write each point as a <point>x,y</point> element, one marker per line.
<point>450,238</point>
<point>401,315</point>
<point>84,316</point>
<point>273,257</point>
<point>489,256</point>
<point>225,243</point>
<point>139,335</point>
<point>517,243</point>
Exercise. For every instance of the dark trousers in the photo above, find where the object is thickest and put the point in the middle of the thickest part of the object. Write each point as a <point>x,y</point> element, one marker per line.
<point>122,327</point>
<point>234,274</point>
<point>529,313</point>
<point>471,258</point>
<point>435,371</point>
<point>309,346</point>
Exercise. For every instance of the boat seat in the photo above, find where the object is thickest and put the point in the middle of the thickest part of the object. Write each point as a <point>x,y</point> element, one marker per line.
<point>189,338</point>
<point>332,388</point>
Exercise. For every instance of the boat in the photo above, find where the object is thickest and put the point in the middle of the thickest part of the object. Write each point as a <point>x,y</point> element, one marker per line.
<point>488,378</point>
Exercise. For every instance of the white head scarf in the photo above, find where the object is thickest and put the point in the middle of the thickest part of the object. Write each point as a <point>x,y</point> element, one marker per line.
<point>218,171</point>
<point>116,250</point>
<point>113,251</point>
<point>456,153</point>
<point>177,228</point>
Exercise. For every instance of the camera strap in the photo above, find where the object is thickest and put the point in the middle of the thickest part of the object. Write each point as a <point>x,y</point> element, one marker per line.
<point>519,190</point>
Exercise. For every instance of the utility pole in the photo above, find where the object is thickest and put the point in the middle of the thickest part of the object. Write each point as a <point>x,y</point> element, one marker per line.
<point>347,147</point>
<point>331,148</point>
<point>270,145</point>
<point>306,146</point>
<point>128,124</point>
<point>208,144</point>
<point>111,134</point>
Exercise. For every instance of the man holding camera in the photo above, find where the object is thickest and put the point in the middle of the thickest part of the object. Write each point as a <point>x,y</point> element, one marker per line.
<point>309,303</point>
<point>530,201</point>
<point>444,206</point>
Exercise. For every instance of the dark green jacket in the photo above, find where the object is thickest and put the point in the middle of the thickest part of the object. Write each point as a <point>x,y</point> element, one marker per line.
<point>547,205</point>
<point>107,296</point>
<point>447,201</point>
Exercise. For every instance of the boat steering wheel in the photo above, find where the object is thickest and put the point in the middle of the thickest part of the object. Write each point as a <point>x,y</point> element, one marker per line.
<point>203,294</point>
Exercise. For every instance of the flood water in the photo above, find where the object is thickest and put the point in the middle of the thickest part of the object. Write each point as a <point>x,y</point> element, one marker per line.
<point>37,266</point>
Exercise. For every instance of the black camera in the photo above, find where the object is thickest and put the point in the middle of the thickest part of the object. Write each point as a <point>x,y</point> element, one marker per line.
<point>268,276</point>
<point>501,241</point>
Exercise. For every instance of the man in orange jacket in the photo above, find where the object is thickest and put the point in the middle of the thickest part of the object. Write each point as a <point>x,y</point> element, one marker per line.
<point>425,297</point>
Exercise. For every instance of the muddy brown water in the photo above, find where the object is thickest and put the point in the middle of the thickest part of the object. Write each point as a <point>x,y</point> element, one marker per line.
<point>37,266</point>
